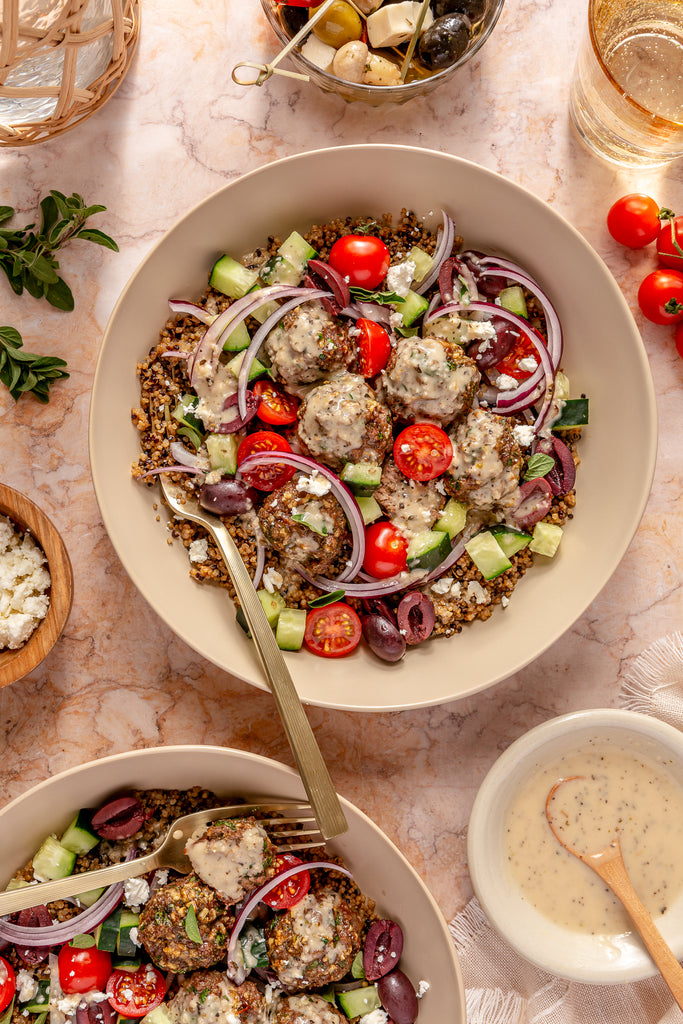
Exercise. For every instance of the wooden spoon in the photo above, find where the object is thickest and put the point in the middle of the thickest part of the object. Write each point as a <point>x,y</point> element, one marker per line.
<point>609,865</point>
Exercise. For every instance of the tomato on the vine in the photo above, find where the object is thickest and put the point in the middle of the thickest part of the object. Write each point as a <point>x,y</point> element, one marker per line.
<point>135,993</point>
<point>660,296</point>
<point>670,243</point>
<point>276,406</point>
<point>83,969</point>
<point>332,631</point>
<point>386,550</point>
<point>265,478</point>
<point>423,451</point>
<point>362,259</point>
<point>8,983</point>
<point>291,892</point>
<point>634,220</point>
<point>374,347</point>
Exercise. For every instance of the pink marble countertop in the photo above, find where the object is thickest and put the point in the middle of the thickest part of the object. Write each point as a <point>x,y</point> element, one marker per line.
<point>176,130</point>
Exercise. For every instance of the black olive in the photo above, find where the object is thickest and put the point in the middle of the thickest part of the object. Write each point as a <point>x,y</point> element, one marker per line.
<point>293,18</point>
<point>472,9</point>
<point>445,41</point>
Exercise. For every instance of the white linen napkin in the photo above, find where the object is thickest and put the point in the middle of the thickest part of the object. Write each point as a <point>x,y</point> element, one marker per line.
<point>504,988</point>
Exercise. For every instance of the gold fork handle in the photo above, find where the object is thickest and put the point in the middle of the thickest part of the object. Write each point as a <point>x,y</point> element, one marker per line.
<point>309,760</point>
<point>45,892</point>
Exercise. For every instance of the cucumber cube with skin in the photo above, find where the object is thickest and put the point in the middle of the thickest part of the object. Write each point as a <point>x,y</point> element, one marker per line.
<point>296,250</point>
<point>231,278</point>
<point>546,539</point>
<point>255,370</point>
<point>487,555</point>
<point>413,306</point>
<point>222,449</point>
<point>453,518</point>
<point>423,262</point>
<point>52,860</point>
<point>369,508</point>
<point>273,604</point>
<point>291,627</point>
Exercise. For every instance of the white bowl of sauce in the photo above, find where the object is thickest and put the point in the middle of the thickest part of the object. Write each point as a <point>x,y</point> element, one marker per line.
<point>546,903</point>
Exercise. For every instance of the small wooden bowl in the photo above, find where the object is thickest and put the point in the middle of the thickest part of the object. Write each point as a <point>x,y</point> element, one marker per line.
<point>27,516</point>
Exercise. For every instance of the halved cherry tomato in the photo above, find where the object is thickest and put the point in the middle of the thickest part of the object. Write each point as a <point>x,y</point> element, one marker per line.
<point>362,259</point>
<point>374,347</point>
<point>423,451</point>
<point>660,296</point>
<point>8,983</point>
<point>276,407</point>
<point>670,243</point>
<point>135,993</point>
<point>265,478</point>
<point>81,970</point>
<point>293,890</point>
<point>385,550</point>
<point>634,220</point>
<point>332,631</point>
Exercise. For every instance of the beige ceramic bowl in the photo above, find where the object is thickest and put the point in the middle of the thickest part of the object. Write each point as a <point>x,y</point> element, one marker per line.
<point>590,959</point>
<point>379,868</point>
<point>604,358</point>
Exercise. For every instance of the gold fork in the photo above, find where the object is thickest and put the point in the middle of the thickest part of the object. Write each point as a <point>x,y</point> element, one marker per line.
<point>171,853</point>
<point>309,760</point>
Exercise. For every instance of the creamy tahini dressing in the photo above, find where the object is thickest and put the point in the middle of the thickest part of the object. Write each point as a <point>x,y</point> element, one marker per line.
<point>426,382</point>
<point>312,1009</point>
<point>313,922</point>
<point>225,864</point>
<point>334,417</point>
<point>476,459</point>
<point>295,345</point>
<point>212,389</point>
<point>628,792</point>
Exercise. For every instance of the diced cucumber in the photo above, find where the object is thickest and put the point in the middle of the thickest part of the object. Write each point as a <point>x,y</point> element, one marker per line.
<point>296,249</point>
<point>423,262</point>
<point>278,270</point>
<point>124,942</point>
<point>412,307</point>
<point>452,519</point>
<point>231,278</point>
<point>107,934</point>
<point>272,605</point>
<point>126,963</point>
<point>574,414</point>
<point>16,883</point>
<point>512,298</point>
<point>159,1015</point>
<point>291,627</point>
<point>238,339</point>
<point>255,370</point>
<point>510,540</point>
<point>359,1001</point>
<point>241,620</point>
<point>427,549</point>
<point>52,860</point>
<point>357,970</point>
<point>261,313</point>
<point>546,539</point>
<point>41,1000</point>
<point>79,836</point>
<point>561,386</point>
<point>369,508</point>
<point>487,555</point>
<point>362,477</point>
<point>86,899</point>
<point>222,449</point>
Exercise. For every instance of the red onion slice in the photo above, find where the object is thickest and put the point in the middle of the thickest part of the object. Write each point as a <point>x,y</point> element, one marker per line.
<point>444,247</point>
<point>169,469</point>
<point>260,562</point>
<point>184,456</point>
<point>191,309</point>
<point>511,271</point>
<point>451,270</point>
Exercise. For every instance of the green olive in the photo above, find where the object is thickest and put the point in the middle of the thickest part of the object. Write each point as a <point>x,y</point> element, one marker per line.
<point>340,25</point>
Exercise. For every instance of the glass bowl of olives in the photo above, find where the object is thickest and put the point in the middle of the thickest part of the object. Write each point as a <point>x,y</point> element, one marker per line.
<point>358,47</point>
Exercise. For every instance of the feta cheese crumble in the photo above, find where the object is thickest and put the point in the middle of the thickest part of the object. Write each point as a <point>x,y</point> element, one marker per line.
<point>400,277</point>
<point>506,383</point>
<point>523,434</point>
<point>135,892</point>
<point>199,550</point>
<point>316,484</point>
<point>272,580</point>
<point>24,584</point>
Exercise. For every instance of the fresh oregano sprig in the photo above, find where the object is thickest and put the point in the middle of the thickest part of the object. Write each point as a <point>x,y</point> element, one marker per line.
<point>22,371</point>
<point>27,256</point>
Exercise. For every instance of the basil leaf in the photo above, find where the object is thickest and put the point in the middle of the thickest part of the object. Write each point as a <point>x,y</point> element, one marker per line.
<point>382,298</point>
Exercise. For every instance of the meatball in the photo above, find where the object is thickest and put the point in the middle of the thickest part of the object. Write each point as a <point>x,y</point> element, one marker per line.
<point>429,379</point>
<point>308,1009</point>
<point>314,942</point>
<point>411,505</point>
<point>163,930</point>
<point>342,421</point>
<point>208,996</point>
<point>234,856</point>
<point>307,345</point>
<point>486,462</point>
<point>316,536</point>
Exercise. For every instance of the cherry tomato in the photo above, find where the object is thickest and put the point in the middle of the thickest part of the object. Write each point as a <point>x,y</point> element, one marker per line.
<point>385,550</point>
<point>670,243</point>
<point>332,631</point>
<point>135,993</point>
<point>423,451</point>
<point>678,339</point>
<point>634,220</point>
<point>374,347</point>
<point>276,407</point>
<point>265,478</point>
<point>660,297</point>
<point>523,348</point>
<point>8,984</point>
<point>81,970</point>
<point>293,890</point>
<point>363,259</point>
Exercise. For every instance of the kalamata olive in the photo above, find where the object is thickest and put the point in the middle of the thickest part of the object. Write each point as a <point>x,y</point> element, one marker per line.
<point>383,638</point>
<point>380,607</point>
<point>473,9</point>
<point>119,819</point>
<point>227,497</point>
<point>398,997</point>
<point>490,351</point>
<point>444,41</point>
<point>415,617</point>
<point>535,499</point>
<point>382,949</point>
<point>95,1013</point>
<point>293,18</point>
<point>34,917</point>
<point>235,422</point>
<point>562,476</point>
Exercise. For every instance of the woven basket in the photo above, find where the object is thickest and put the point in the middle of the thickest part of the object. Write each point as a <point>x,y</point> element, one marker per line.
<point>30,36</point>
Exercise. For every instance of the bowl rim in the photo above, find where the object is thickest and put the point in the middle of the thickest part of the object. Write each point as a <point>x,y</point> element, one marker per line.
<point>30,518</point>
<point>487,807</point>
